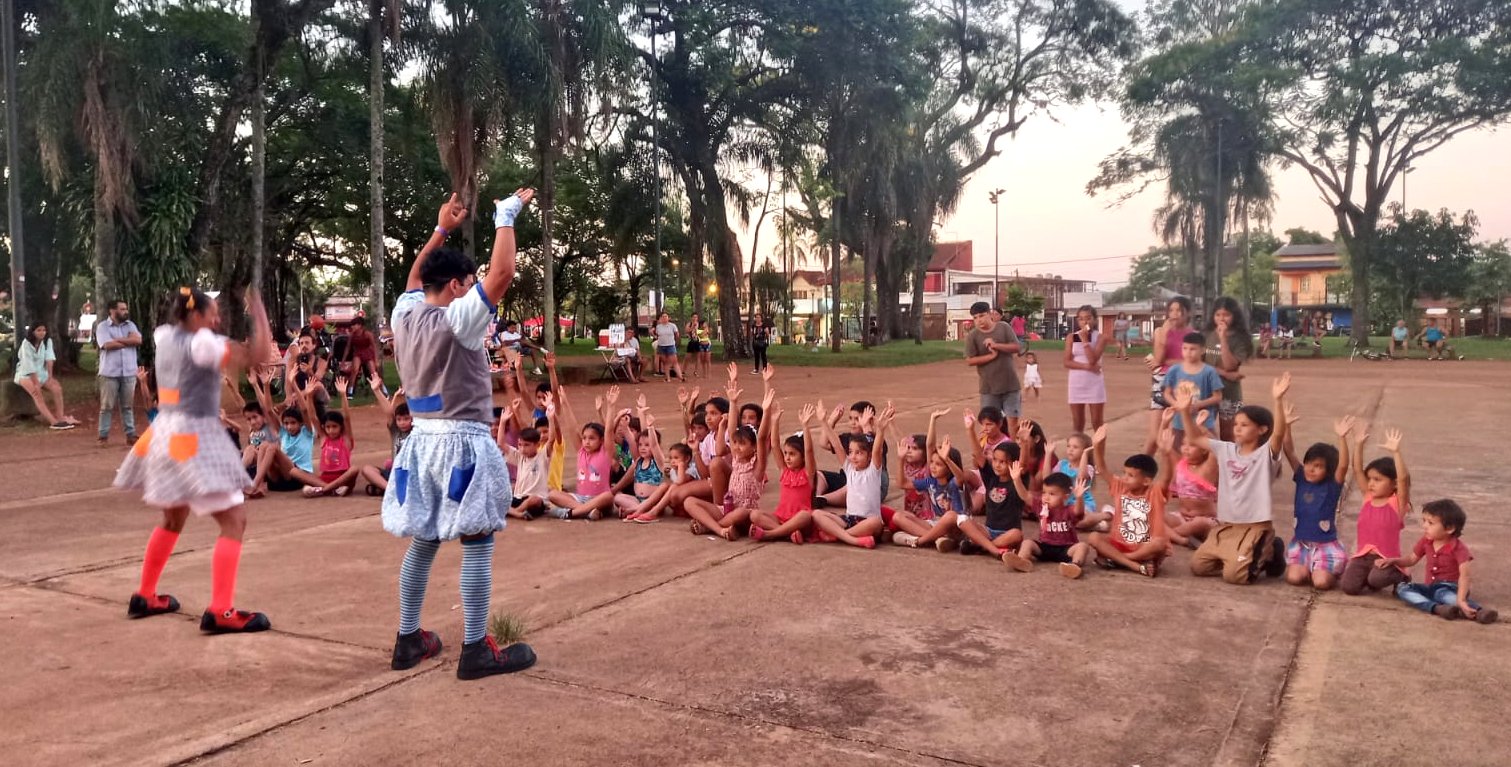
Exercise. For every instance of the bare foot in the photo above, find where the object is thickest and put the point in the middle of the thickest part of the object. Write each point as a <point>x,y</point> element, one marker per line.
<point>1011,559</point>
<point>1070,570</point>
<point>797,537</point>
<point>866,541</point>
<point>824,536</point>
<point>757,533</point>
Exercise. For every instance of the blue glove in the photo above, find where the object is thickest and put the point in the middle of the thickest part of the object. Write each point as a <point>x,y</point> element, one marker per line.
<point>505,211</point>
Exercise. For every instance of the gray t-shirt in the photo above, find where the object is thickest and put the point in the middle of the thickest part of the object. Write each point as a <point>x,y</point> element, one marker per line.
<point>1243,348</point>
<point>1243,482</point>
<point>1000,376</point>
<point>666,334</point>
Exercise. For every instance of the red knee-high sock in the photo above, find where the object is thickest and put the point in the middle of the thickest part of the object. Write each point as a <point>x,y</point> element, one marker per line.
<point>159,548</point>
<point>223,566</point>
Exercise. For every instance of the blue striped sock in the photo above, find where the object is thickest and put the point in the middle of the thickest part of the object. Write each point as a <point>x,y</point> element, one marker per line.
<point>477,587</point>
<point>414,576</point>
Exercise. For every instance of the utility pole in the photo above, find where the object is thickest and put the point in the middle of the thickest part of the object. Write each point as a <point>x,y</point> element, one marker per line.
<point>653,16</point>
<point>13,169</point>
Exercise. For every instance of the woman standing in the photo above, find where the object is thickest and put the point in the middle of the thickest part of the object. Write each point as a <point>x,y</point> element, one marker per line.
<point>1167,343</point>
<point>666,348</point>
<point>1228,347</point>
<point>693,347</point>
<point>183,463</point>
<point>34,374</point>
<point>1083,358</point>
<point>705,337</point>
<point>760,339</point>
<point>1120,335</point>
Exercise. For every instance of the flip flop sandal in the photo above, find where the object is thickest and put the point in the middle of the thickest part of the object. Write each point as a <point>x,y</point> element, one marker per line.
<point>696,528</point>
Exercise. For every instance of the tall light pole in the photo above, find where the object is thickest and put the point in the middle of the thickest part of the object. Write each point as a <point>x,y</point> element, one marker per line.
<point>653,16</point>
<point>1404,173</point>
<point>996,245</point>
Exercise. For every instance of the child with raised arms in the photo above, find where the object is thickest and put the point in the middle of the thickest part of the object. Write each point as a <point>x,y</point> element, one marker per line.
<point>1386,486</point>
<point>941,489</point>
<point>592,494</point>
<point>1062,506</point>
<point>740,446</point>
<point>793,517</point>
<point>1314,556</point>
<point>1243,544</point>
<point>1137,539</point>
<point>862,520</point>
<point>1000,531</point>
<point>645,475</point>
<point>336,444</point>
<point>1194,488</point>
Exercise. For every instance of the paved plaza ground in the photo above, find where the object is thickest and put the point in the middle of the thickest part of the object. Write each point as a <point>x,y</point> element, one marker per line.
<point>658,647</point>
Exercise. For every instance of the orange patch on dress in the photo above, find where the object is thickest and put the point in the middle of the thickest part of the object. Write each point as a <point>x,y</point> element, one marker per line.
<point>143,443</point>
<point>168,396</point>
<point>182,447</point>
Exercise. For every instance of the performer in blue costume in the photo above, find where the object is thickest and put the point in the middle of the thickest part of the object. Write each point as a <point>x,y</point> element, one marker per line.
<point>449,479</point>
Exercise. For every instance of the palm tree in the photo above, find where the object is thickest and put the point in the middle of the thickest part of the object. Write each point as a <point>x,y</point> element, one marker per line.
<point>382,21</point>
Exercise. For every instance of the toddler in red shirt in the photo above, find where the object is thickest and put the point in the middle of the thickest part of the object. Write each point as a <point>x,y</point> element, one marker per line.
<point>1446,590</point>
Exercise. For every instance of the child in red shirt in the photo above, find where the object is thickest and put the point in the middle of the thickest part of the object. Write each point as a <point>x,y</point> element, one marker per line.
<point>1446,592</point>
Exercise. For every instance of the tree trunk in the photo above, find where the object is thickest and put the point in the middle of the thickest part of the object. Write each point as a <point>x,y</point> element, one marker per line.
<point>277,24</point>
<point>376,84</point>
<point>259,178</point>
<point>1248,287</point>
<point>726,265</point>
<point>1359,238</point>
<point>868,279</point>
<point>834,278</point>
<point>104,250</point>
<point>550,326</point>
<point>920,273</point>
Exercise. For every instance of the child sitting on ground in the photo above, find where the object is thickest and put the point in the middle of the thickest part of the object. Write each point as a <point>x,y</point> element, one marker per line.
<point>645,476</point>
<point>831,484</point>
<point>1076,461</point>
<point>862,520</point>
<point>591,495</point>
<point>939,519</point>
<point>288,463</point>
<point>794,512</point>
<point>1137,540</point>
<point>1386,487</point>
<point>990,434</point>
<point>531,458</point>
<point>1197,377</point>
<point>1314,555</point>
<point>1000,532</point>
<point>1194,485</point>
<point>336,447</point>
<point>1243,544</point>
<point>1062,508</point>
<point>742,447</point>
<point>1446,591</point>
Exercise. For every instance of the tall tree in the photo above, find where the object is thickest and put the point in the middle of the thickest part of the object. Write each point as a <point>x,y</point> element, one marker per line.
<point>382,23</point>
<point>1363,90</point>
<point>1423,254</point>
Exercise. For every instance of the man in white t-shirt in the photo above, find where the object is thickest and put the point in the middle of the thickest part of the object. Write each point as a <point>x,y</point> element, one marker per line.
<point>510,338</point>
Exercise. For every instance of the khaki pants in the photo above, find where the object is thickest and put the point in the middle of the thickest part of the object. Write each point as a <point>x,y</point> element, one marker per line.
<point>1231,550</point>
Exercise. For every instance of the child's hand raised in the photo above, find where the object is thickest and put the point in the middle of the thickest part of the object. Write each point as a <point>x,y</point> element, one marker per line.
<point>550,360</point>
<point>1343,426</point>
<point>1015,470</point>
<point>1081,486</point>
<point>734,373</point>
<point>682,396</point>
<point>1025,431</point>
<point>868,419</point>
<point>1281,385</point>
<point>939,414</point>
<point>1167,440</point>
<point>944,447</point>
<point>613,395</point>
<point>598,403</point>
<point>1099,436</point>
<point>768,373</point>
<point>969,420</point>
<point>1392,441</point>
<point>805,415</point>
<point>649,422</point>
<point>1182,399</point>
<point>1291,416</point>
<point>768,399</point>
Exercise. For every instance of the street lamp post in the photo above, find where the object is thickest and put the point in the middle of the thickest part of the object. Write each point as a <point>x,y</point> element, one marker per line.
<point>1404,173</point>
<point>996,245</point>
<point>653,16</point>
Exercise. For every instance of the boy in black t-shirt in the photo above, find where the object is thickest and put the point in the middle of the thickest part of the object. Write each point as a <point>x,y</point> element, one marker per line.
<point>1000,531</point>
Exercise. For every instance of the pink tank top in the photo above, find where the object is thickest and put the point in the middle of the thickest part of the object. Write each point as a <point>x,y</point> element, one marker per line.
<point>592,471</point>
<point>797,492</point>
<point>744,486</point>
<point>1379,529</point>
<point>335,455</point>
<point>1173,341</point>
<point>1189,484</point>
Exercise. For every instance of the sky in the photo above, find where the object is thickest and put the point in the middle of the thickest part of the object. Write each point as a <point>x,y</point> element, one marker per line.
<point>1050,226</point>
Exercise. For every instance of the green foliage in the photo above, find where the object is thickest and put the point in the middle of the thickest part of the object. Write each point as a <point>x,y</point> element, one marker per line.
<point>1157,266</point>
<point>1424,254</point>
<point>1261,283</point>
<point>1303,236</point>
<point>1021,302</point>
<point>507,628</point>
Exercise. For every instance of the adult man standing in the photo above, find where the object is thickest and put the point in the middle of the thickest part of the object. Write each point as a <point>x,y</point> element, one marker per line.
<point>990,348</point>
<point>117,337</point>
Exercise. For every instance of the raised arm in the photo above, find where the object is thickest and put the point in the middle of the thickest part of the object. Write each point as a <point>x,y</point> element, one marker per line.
<point>879,444</point>
<point>1392,445</point>
<point>773,410</point>
<point>831,438</point>
<point>648,421</point>
<point>955,468</point>
<point>243,355</point>
<point>385,404</point>
<point>810,466</point>
<point>1099,449</point>
<point>1358,463</point>
<point>1282,426</point>
<point>1196,434</point>
<point>234,390</point>
<point>1016,472</point>
<point>1162,457</point>
<point>451,216</point>
<point>346,412</point>
<point>1342,427</point>
<point>566,423</point>
<point>929,443</point>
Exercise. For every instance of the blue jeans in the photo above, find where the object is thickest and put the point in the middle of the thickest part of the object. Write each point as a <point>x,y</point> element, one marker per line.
<point>116,390</point>
<point>1425,596</point>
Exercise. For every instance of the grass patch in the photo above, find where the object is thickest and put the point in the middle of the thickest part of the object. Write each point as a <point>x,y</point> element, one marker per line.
<point>507,628</point>
<point>1472,347</point>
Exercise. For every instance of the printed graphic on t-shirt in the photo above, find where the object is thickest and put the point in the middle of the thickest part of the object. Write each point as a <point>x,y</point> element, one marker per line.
<point>1134,525</point>
<point>1237,469</point>
<point>997,494</point>
<point>1048,525</point>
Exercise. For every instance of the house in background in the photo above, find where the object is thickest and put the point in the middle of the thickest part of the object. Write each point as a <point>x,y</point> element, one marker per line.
<point>951,285</point>
<point>1301,273</point>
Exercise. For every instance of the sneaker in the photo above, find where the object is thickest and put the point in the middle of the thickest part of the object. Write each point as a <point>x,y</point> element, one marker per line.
<point>480,659</point>
<point>559,512</point>
<point>1447,612</point>
<point>538,372</point>
<point>157,604</point>
<point>233,622</point>
<point>310,491</point>
<point>969,547</point>
<point>102,442</point>
<point>409,649</point>
<point>61,426</point>
<point>1486,614</point>
<point>905,539</point>
<point>946,544</point>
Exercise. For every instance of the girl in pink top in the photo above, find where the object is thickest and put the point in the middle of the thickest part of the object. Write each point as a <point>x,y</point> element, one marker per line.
<point>1387,501</point>
<point>593,493</point>
<point>336,451</point>
<point>1195,484</point>
<point>746,450</point>
<point>1167,351</point>
<point>793,517</point>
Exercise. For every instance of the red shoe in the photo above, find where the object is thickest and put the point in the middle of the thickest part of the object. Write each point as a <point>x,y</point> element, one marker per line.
<point>797,537</point>
<point>157,604</point>
<point>824,536</point>
<point>867,541</point>
<point>757,533</point>
<point>410,649</point>
<point>233,622</point>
